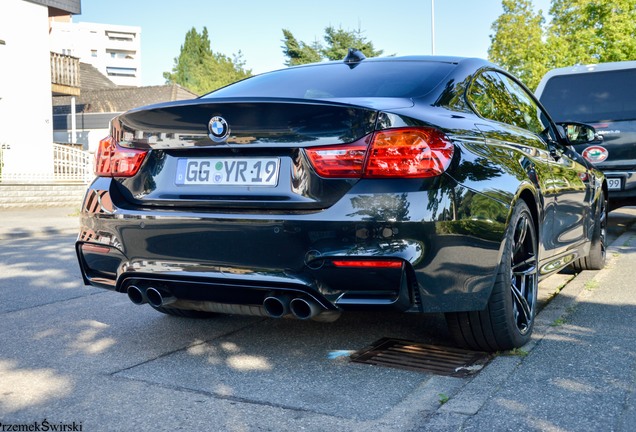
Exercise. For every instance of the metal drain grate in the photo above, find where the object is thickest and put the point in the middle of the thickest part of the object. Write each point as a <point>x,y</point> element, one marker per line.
<point>439,360</point>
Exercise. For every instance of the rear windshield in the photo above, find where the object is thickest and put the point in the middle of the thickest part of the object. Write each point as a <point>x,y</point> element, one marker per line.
<point>338,80</point>
<point>592,97</point>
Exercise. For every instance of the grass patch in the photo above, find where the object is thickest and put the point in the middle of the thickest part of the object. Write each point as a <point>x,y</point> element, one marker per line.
<point>591,285</point>
<point>517,352</point>
<point>558,322</point>
<point>443,398</point>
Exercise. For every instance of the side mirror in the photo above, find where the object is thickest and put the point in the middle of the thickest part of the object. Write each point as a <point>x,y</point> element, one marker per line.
<point>578,133</point>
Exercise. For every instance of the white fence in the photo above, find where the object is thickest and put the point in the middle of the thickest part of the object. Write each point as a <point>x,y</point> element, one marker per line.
<point>70,165</point>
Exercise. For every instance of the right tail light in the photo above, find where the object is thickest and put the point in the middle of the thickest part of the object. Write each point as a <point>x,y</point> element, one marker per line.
<point>411,152</point>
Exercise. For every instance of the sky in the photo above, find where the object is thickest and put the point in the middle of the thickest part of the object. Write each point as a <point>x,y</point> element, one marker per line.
<point>400,27</point>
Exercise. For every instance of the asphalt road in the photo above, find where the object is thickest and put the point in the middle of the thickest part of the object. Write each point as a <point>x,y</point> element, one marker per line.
<point>79,356</point>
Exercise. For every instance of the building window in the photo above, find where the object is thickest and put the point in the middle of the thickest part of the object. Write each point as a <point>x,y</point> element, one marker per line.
<point>93,53</point>
<point>117,71</point>
<point>130,55</point>
<point>120,36</point>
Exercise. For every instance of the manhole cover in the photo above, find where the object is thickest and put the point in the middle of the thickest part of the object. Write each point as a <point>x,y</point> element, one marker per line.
<point>439,360</point>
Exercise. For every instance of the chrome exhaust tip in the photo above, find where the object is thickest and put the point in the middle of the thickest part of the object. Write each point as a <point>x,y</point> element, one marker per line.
<point>304,309</point>
<point>276,306</point>
<point>136,295</point>
<point>157,298</point>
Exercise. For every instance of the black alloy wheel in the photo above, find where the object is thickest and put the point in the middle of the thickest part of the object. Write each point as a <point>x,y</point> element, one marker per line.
<point>523,273</point>
<point>508,320</point>
<point>595,260</point>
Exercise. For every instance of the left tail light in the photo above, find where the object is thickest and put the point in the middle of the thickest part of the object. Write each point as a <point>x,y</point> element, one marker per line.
<point>112,160</point>
<point>411,152</point>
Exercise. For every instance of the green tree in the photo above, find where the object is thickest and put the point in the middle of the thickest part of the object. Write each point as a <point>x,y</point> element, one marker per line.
<point>298,53</point>
<point>517,43</point>
<point>579,32</point>
<point>337,43</point>
<point>201,70</point>
<point>584,31</point>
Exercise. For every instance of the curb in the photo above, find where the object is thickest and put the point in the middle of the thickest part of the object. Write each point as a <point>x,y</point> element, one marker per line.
<point>471,397</point>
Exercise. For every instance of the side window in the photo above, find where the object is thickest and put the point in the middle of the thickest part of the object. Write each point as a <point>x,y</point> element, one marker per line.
<point>485,96</point>
<point>527,115</point>
<point>497,97</point>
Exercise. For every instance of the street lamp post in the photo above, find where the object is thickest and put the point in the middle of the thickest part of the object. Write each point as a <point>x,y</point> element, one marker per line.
<point>433,27</point>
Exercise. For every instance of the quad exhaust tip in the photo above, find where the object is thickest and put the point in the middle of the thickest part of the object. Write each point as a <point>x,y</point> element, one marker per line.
<point>304,309</point>
<point>276,306</point>
<point>136,295</point>
<point>158,298</point>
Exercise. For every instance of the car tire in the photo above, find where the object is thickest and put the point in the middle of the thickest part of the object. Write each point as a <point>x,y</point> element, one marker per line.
<point>184,313</point>
<point>508,319</point>
<point>595,260</point>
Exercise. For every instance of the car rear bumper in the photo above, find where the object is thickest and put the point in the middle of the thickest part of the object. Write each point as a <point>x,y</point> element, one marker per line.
<point>421,260</point>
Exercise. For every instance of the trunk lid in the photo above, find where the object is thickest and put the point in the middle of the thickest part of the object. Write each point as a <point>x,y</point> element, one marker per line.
<point>260,165</point>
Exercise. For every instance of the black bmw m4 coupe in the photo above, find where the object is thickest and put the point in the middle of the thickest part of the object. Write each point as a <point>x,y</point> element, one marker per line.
<point>412,184</point>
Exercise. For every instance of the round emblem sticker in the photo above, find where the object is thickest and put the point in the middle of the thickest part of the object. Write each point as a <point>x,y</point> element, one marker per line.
<point>595,154</point>
<point>219,129</point>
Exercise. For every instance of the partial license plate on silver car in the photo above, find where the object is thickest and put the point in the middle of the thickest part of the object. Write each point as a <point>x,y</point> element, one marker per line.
<point>228,171</point>
<point>614,183</point>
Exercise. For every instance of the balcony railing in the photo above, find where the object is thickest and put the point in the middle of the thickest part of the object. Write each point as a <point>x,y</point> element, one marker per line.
<point>65,74</point>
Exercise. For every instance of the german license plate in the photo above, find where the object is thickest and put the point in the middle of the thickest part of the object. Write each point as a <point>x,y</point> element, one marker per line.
<point>613,183</point>
<point>228,171</point>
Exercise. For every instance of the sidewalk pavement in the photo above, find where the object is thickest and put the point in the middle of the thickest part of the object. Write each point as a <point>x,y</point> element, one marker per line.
<point>37,222</point>
<point>579,371</point>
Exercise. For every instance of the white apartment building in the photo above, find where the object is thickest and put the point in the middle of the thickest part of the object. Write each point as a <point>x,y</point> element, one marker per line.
<point>115,50</point>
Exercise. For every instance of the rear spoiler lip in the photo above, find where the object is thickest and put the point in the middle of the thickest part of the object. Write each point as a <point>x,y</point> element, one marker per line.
<point>257,122</point>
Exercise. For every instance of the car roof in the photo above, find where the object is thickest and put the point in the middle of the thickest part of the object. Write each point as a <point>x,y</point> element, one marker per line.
<point>581,69</point>
<point>421,58</point>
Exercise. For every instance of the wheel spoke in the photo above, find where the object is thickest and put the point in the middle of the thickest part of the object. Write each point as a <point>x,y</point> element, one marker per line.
<point>525,268</point>
<point>520,235</point>
<point>524,307</point>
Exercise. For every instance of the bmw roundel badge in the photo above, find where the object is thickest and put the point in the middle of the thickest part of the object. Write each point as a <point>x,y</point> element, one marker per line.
<point>219,129</point>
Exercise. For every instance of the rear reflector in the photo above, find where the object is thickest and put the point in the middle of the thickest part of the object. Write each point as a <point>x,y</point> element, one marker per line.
<point>415,152</point>
<point>342,161</point>
<point>112,160</point>
<point>87,247</point>
<point>368,263</point>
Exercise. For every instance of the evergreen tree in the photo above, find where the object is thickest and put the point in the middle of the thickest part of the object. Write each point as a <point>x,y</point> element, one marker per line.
<point>338,41</point>
<point>298,53</point>
<point>201,70</point>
